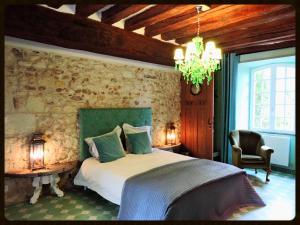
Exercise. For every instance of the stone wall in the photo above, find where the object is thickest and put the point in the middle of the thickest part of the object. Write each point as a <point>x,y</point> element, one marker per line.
<point>44,90</point>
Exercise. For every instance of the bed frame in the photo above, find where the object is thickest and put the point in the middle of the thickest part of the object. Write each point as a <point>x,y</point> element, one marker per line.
<point>98,121</point>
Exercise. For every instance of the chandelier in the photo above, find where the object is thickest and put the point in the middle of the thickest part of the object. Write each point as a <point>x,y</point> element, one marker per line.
<point>198,63</point>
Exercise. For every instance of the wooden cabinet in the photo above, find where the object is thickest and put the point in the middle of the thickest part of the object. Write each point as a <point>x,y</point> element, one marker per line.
<point>197,120</point>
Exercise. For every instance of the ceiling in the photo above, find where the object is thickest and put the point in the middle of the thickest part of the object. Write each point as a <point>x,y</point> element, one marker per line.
<point>234,27</point>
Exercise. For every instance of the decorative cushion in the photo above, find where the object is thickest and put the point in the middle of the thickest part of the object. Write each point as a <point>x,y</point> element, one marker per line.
<point>139,143</point>
<point>128,129</point>
<point>109,147</point>
<point>92,147</point>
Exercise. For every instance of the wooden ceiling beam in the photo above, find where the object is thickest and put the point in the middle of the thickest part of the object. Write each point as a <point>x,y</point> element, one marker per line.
<point>168,24</point>
<point>283,18</point>
<point>258,33</point>
<point>120,11</point>
<point>261,48</point>
<point>154,15</point>
<point>36,23</point>
<point>255,41</point>
<point>164,25</point>
<point>261,26</point>
<point>85,10</point>
<point>230,16</point>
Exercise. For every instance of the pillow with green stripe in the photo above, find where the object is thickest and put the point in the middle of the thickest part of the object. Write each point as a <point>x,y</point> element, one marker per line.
<point>140,143</point>
<point>109,147</point>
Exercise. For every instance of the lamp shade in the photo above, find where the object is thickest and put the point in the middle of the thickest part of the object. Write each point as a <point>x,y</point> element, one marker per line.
<point>178,54</point>
<point>190,51</point>
<point>210,46</point>
<point>217,54</point>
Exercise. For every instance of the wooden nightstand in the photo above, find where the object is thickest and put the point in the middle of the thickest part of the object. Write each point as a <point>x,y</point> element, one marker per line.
<point>48,175</point>
<point>172,148</point>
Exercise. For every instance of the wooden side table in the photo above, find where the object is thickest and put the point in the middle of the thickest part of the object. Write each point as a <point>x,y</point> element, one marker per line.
<point>172,148</point>
<point>48,175</point>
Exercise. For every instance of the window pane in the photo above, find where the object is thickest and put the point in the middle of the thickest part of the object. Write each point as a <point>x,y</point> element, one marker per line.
<point>290,84</point>
<point>280,72</point>
<point>290,73</point>
<point>279,111</point>
<point>266,74</point>
<point>289,124</point>
<point>265,124</point>
<point>279,98</point>
<point>289,111</point>
<point>257,122</point>
<point>265,98</point>
<point>266,85</point>
<point>257,111</point>
<point>280,84</point>
<point>279,123</point>
<point>265,110</point>
<point>258,99</point>
<point>290,98</point>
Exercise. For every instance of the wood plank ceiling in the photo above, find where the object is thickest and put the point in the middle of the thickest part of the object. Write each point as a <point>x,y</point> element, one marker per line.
<point>234,27</point>
<point>240,28</point>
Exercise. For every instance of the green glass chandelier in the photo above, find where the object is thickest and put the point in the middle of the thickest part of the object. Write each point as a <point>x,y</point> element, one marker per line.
<point>198,63</point>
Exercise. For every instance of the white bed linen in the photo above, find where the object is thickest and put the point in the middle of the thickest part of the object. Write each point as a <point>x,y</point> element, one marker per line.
<point>107,179</point>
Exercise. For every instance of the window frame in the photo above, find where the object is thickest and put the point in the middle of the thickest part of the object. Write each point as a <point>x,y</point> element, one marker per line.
<point>272,130</point>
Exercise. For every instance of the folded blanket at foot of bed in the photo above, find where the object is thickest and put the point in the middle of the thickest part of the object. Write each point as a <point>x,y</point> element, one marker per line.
<point>196,189</point>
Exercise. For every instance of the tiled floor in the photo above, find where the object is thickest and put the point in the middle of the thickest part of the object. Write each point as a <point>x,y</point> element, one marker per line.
<point>278,194</point>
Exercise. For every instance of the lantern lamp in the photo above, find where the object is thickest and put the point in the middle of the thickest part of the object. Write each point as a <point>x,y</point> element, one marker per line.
<point>171,135</point>
<point>37,151</point>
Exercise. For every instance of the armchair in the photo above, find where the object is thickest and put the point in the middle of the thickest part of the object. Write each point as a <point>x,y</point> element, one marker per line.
<point>249,151</point>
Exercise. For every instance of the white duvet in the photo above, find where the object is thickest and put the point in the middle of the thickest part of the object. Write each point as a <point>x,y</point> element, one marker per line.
<point>107,179</point>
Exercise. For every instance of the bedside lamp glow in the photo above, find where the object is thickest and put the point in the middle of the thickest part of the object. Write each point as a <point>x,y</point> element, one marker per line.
<point>171,134</point>
<point>37,151</point>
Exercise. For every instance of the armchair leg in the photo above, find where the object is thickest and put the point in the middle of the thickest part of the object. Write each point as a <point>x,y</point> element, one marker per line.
<point>267,176</point>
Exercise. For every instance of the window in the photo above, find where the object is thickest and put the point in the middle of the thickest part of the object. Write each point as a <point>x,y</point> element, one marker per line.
<point>272,98</point>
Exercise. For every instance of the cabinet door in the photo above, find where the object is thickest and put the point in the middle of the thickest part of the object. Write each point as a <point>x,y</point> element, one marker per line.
<point>197,120</point>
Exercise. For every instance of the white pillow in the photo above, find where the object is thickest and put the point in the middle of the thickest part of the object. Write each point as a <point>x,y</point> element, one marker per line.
<point>92,147</point>
<point>128,129</point>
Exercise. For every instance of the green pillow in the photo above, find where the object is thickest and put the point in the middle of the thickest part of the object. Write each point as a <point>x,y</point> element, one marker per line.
<point>139,142</point>
<point>109,147</point>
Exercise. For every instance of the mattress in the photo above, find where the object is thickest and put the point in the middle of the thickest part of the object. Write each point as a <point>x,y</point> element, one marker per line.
<point>107,179</point>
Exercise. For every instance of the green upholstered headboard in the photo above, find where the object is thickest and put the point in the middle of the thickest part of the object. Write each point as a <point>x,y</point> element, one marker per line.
<point>98,121</point>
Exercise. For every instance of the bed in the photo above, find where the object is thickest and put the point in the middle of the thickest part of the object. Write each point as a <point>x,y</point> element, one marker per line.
<point>160,185</point>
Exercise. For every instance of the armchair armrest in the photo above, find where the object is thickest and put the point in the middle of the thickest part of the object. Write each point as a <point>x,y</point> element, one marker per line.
<point>236,155</point>
<point>266,151</point>
<point>236,149</point>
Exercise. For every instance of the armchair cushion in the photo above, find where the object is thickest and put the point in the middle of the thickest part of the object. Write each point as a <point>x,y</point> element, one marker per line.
<point>252,159</point>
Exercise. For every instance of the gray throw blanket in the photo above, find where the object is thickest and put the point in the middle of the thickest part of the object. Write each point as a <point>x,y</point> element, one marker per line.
<point>150,195</point>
